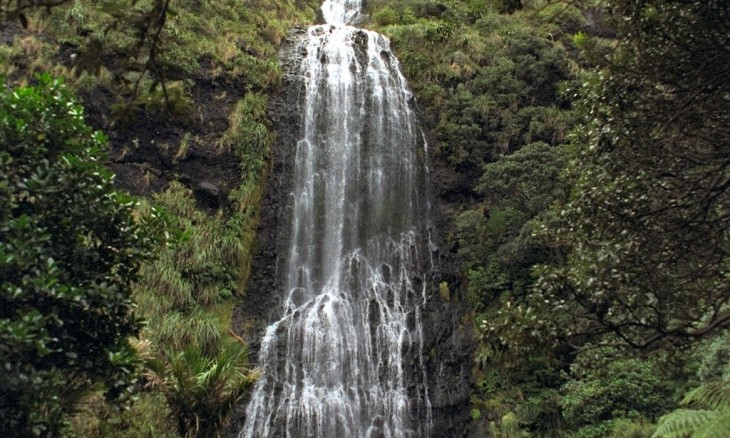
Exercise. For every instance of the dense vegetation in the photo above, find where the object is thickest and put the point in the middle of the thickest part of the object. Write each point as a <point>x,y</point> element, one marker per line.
<point>71,247</point>
<point>592,144</point>
<point>145,69</point>
<point>583,148</point>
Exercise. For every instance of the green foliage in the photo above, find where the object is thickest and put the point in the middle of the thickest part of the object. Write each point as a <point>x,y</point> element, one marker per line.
<point>201,391</point>
<point>624,428</point>
<point>481,233</point>
<point>499,242</point>
<point>147,52</point>
<point>541,410</point>
<point>715,358</point>
<point>486,82</point>
<point>646,223</point>
<point>149,416</point>
<point>564,18</point>
<point>626,227</point>
<point>712,395</point>
<point>506,103</point>
<point>444,291</point>
<point>509,426</point>
<point>627,388</point>
<point>579,39</point>
<point>70,251</point>
<point>527,180</point>
<point>248,133</point>
<point>186,299</point>
<point>684,423</point>
<point>386,16</point>
<point>486,284</point>
<point>189,276</point>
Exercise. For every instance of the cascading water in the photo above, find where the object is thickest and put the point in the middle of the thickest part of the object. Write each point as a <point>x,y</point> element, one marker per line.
<point>341,12</point>
<point>345,359</point>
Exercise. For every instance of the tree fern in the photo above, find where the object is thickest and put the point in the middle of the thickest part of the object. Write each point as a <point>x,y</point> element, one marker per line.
<point>717,428</point>
<point>713,395</point>
<point>682,423</point>
<point>709,419</point>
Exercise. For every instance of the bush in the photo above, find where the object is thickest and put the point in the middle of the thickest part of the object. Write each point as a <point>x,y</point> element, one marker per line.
<point>70,249</point>
<point>624,388</point>
<point>385,16</point>
<point>631,429</point>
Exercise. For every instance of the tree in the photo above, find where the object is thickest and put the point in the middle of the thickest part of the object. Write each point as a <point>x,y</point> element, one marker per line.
<point>70,250</point>
<point>648,221</point>
<point>499,245</point>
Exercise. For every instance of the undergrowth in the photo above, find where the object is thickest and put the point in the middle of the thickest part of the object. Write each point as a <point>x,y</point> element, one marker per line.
<point>193,370</point>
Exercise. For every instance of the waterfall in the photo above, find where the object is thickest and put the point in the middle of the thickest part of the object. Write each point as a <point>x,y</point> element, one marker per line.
<point>345,357</point>
<point>341,12</point>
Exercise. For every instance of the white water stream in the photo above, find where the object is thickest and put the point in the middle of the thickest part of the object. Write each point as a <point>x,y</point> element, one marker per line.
<point>344,359</point>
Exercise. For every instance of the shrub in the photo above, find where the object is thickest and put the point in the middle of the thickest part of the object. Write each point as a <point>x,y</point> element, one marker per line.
<point>624,388</point>
<point>70,249</point>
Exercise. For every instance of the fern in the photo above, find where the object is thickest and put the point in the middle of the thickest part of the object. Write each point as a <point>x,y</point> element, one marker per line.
<point>710,419</point>
<point>682,423</point>
<point>713,395</point>
<point>717,428</point>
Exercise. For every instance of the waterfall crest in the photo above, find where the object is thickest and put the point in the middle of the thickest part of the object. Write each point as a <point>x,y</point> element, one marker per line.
<point>341,11</point>
<point>344,359</point>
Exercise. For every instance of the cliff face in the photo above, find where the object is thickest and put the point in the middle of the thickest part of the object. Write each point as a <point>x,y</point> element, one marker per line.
<point>260,300</point>
<point>448,360</point>
<point>147,155</point>
<point>447,335</point>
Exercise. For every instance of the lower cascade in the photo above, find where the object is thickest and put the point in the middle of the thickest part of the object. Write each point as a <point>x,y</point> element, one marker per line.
<point>344,358</point>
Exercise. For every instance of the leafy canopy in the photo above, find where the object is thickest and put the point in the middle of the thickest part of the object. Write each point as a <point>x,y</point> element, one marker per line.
<point>647,223</point>
<point>70,248</point>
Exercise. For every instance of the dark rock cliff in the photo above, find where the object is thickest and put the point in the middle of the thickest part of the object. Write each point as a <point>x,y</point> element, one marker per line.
<point>260,300</point>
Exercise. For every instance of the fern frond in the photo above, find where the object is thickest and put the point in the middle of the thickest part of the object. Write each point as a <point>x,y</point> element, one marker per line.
<point>712,395</point>
<point>717,428</point>
<point>682,423</point>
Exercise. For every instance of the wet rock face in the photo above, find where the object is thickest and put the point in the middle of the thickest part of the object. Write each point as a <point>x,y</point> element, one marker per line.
<point>262,295</point>
<point>446,340</point>
<point>208,193</point>
<point>448,359</point>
